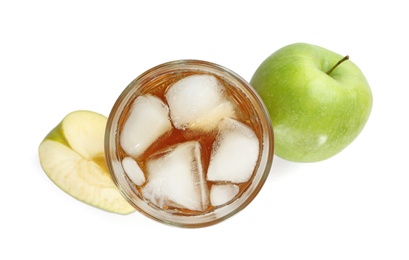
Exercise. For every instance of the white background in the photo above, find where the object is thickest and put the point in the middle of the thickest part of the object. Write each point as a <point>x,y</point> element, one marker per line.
<point>61,56</point>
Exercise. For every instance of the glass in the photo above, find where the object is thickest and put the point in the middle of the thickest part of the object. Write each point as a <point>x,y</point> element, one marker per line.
<point>156,82</point>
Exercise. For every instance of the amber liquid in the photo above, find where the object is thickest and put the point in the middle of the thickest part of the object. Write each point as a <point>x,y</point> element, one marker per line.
<point>243,111</point>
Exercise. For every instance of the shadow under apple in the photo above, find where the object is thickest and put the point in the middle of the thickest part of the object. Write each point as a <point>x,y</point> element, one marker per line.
<point>281,168</point>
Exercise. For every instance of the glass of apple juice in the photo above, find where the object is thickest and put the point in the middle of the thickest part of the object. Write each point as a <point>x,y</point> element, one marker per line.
<point>189,143</point>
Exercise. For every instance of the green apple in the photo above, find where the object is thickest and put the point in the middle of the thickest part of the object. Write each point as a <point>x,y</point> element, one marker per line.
<point>72,155</point>
<point>319,101</point>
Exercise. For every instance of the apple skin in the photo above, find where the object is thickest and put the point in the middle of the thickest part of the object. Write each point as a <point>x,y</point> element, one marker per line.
<point>314,115</point>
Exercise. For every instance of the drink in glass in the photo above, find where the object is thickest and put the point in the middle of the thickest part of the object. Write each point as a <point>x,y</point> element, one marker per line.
<point>189,143</point>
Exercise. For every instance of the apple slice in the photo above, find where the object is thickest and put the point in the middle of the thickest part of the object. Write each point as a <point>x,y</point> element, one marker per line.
<point>72,155</point>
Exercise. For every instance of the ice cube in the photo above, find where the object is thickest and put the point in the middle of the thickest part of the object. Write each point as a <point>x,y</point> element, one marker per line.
<point>133,171</point>
<point>222,193</point>
<point>234,152</point>
<point>148,120</point>
<point>199,102</point>
<point>176,178</point>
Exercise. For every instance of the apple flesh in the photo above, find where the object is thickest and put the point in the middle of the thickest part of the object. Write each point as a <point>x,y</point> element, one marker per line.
<point>72,156</point>
<point>318,101</point>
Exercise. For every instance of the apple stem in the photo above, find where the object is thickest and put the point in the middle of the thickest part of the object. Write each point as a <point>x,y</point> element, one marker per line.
<point>336,65</point>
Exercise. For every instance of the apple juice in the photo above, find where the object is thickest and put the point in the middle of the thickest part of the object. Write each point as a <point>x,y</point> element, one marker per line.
<point>189,143</point>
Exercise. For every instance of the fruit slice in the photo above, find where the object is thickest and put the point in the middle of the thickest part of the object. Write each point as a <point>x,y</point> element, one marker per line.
<point>72,155</point>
